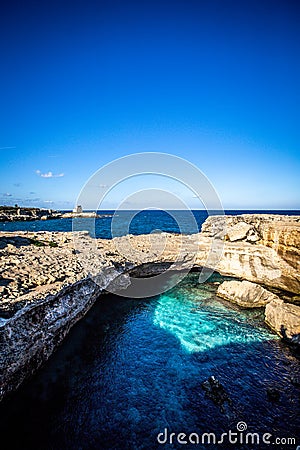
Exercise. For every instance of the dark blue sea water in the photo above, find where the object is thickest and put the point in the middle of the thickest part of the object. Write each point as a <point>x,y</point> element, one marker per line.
<point>130,222</point>
<point>132,368</point>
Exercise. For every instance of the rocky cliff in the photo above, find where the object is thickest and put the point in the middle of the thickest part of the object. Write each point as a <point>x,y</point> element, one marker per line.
<point>261,248</point>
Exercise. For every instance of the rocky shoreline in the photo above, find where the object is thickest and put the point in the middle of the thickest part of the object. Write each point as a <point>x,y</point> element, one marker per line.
<point>50,279</point>
<point>19,214</point>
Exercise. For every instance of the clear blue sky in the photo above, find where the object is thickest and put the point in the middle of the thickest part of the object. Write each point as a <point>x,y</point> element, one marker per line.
<point>215,82</point>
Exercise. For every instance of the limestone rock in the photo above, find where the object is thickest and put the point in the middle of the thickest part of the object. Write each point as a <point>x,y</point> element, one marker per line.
<point>215,226</point>
<point>284,238</point>
<point>238,231</point>
<point>252,262</point>
<point>252,236</point>
<point>269,254</point>
<point>283,317</point>
<point>245,293</point>
<point>33,333</point>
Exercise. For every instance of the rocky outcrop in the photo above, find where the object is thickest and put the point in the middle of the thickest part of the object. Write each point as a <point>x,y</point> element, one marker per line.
<point>239,231</point>
<point>33,265</point>
<point>272,230</point>
<point>29,337</point>
<point>283,317</point>
<point>267,252</point>
<point>16,213</point>
<point>245,293</point>
<point>284,238</point>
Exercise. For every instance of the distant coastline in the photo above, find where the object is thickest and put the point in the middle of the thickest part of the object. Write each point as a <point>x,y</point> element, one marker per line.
<point>23,214</point>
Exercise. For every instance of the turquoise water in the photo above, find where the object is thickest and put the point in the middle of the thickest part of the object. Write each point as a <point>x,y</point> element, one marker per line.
<point>201,322</point>
<point>133,367</point>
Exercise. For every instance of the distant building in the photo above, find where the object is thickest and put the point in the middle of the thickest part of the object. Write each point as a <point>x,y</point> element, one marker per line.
<point>78,209</point>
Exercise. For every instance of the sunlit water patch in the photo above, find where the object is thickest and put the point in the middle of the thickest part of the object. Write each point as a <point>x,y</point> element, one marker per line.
<point>133,367</point>
<point>201,321</point>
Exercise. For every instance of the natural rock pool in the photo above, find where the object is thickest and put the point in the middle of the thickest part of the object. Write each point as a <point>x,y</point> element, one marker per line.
<point>132,368</point>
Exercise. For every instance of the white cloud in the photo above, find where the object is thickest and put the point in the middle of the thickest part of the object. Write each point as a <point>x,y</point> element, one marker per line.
<point>49,174</point>
<point>48,201</point>
<point>7,194</point>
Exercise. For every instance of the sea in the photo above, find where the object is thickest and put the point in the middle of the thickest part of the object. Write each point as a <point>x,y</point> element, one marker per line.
<point>132,374</point>
<point>120,223</point>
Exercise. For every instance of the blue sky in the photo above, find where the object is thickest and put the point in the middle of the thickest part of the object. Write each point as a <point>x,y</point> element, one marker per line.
<point>214,82</point>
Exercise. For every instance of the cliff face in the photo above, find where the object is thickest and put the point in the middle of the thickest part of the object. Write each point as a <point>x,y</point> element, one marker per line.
<point>259,248</point>
<point>32,334</point>
<point>266,251</point>
<point>284,238</point>
<point>46,283</point>
<point>29,337</point>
